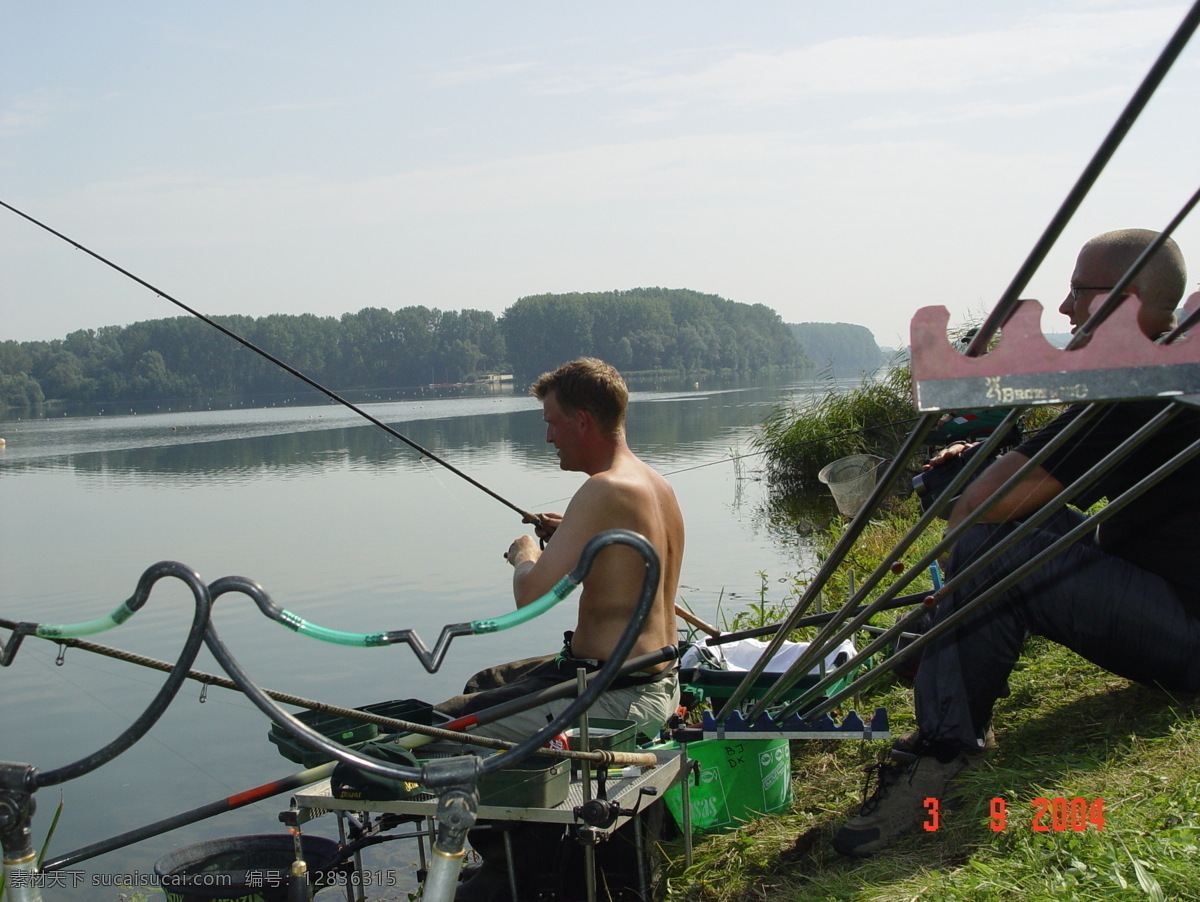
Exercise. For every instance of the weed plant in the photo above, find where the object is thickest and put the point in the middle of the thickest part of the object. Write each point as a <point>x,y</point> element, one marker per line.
<point>872,418</point>
<point>1067,730</point>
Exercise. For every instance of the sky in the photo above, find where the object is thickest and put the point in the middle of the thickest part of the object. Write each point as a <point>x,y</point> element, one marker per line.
<point>844,162</point>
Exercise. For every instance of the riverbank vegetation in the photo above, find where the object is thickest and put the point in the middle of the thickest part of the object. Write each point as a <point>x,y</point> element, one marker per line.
<point>182,358</point>
<point>1066,731</point>
<point>801,437</point>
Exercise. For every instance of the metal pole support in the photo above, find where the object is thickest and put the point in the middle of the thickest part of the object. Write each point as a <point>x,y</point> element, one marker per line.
<point>16,831</point>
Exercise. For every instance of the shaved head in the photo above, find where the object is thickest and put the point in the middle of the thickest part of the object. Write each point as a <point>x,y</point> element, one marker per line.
<point>1160,283</point>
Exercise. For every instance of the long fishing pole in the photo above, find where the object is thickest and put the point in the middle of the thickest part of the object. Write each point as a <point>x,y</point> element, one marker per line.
<point>457,727</point>
<point>453,729</point>
<point>995,319</point>
<point>1141,97</point>
<point>183,819</point>
<point>329,393</point>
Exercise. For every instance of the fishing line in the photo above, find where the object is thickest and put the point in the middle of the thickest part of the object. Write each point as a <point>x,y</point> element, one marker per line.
<point>329,393</point>
<point>810,441</point>
<point>735,458</point>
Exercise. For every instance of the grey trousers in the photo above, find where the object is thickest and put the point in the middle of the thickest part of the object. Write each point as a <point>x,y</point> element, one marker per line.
<point>648,705</point>
<point>1130,622</point>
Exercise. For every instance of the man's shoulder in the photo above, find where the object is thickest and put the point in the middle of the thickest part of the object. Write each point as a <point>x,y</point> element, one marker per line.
<point>632,476</point>
<point>634,484</point>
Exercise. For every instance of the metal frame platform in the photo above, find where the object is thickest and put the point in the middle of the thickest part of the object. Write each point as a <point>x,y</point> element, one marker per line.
<point>317,799</point>
<point>623,787</point>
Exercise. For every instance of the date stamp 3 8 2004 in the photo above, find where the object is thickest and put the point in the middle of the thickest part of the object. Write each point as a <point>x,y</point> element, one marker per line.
<point>1056,814</point>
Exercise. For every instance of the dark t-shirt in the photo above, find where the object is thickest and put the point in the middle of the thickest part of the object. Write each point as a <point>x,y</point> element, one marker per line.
<point>1160,530</point>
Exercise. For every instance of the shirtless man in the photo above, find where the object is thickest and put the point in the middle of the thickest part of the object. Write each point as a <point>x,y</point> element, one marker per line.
<point>583,405</point>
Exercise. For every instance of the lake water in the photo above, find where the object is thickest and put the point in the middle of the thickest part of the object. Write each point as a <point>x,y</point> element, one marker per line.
<point>341,524</point>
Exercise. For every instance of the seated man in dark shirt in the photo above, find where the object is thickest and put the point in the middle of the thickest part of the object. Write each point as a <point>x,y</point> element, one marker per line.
<point>1126,599</point>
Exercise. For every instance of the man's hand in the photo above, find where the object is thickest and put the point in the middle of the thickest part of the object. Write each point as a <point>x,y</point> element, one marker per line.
<point>523,549</point>
<point>950,453</point>
<point>544,524</point>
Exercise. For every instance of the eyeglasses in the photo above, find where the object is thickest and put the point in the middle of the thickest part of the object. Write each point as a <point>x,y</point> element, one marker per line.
<point>1076,289</point>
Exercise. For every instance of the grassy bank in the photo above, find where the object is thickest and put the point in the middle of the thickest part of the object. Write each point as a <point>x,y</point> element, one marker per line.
<point>1067,730</point>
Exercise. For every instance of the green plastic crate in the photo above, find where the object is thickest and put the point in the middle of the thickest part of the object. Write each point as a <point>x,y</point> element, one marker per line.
<point>352,733</point>
<point>606,733</point>
<point>538,782</point>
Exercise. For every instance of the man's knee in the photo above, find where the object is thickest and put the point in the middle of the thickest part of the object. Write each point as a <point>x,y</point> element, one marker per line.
<point>974,543</point>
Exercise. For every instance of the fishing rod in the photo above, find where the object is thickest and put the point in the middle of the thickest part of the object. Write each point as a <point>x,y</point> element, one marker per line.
<point>489,715</point>
<point>861,615</point>
<point>244,342</point>
<point>1075,197</point>
<point>978,345</point>
<point>453,730</point>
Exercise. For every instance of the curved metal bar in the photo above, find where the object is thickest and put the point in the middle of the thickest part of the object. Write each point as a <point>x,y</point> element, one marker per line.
<point>608,672</point>
<point>334,750</point>
<point>166,694</point>
<point>85,627</point>
<point>431,659</point>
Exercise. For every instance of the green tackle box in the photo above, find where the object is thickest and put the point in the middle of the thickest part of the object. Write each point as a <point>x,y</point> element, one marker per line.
<point>348,732</point>
<point>537,782</point>
<point>606,733</point>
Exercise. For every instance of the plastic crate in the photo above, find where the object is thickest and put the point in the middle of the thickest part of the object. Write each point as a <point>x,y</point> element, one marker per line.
<point>606,733</point>
<point>351,733</point>
<point>537,782</point>
<point>739,780</point>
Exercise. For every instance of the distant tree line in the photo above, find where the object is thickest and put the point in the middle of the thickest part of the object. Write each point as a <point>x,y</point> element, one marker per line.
<point>184,358</point>
<point>843,349</point>
<point>648,329</point>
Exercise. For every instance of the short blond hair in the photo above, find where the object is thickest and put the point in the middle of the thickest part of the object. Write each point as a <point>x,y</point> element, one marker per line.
<point>590,385</point>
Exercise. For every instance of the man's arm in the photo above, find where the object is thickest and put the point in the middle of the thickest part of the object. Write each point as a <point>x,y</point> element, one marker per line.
<point>1028,495</point>
<point>535,571</point>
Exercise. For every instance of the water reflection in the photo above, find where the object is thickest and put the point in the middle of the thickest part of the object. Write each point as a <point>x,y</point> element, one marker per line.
<point>232,444</point>
<point>340,523</point>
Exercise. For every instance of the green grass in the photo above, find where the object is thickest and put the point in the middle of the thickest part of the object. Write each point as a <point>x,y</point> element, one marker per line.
<point>1067,729</point>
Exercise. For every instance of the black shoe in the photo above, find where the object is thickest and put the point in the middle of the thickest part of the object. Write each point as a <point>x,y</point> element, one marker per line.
<point>899,803</point>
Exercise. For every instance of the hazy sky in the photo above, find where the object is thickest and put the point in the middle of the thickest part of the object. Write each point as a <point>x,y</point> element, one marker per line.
<point>837,162</point>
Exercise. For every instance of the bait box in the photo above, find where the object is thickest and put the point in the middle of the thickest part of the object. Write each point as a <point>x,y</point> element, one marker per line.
<point>538,782</point>
<point>348,732</point>
<point>606,733</point>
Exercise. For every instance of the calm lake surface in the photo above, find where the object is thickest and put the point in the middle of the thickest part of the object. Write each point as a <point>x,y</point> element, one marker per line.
<point>341,524</point>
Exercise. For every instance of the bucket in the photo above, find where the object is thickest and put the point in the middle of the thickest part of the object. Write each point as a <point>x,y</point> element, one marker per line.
<point>851,480</point>
<point>245,868</point>
<point>738,781</point>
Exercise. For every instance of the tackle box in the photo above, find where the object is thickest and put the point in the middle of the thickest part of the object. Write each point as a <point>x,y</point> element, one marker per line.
<point>352,733</point>
<point>537,782</point>
<point>606,733</point>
